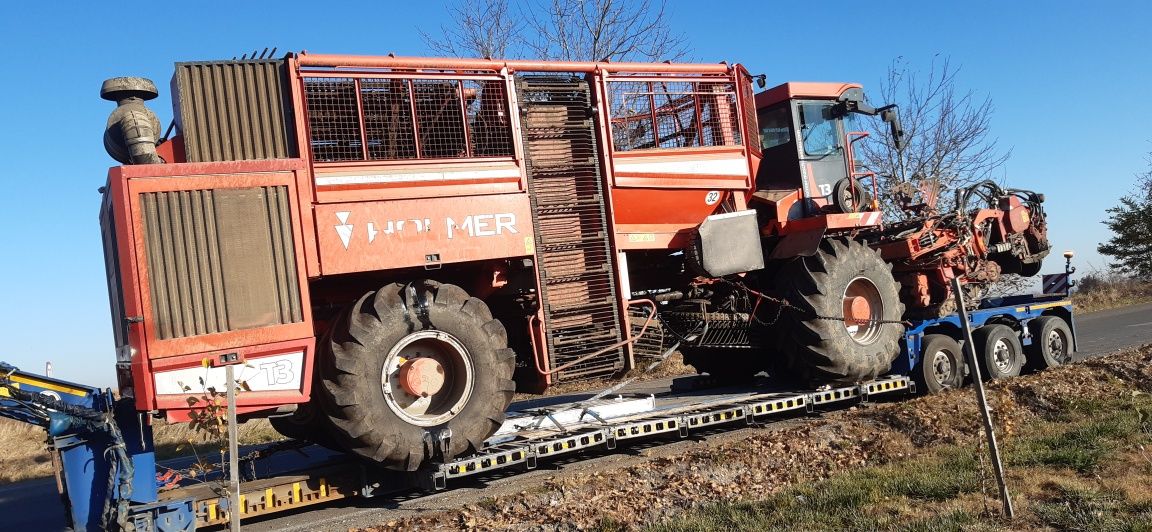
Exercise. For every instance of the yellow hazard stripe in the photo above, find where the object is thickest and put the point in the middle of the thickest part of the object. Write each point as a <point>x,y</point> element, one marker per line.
<point>1044,305</point>
<point>79,392</point>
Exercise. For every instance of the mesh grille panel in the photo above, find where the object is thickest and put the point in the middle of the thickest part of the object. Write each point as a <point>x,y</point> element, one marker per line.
<point>673,114</point>
<point>220,260</point>
<point>334,119</point>
<point>406,119</point>
<point>388,119</point>
<point>750,127</point>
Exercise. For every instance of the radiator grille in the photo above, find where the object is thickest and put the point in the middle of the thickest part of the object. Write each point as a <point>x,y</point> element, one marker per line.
<point>234,110</point>
<point>220,260</point>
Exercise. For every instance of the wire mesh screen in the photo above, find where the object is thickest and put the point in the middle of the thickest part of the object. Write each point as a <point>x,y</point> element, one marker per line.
<point>334,119</point>
<point>750,127</point>
<point>673,114</point>
<point>380,119</point>
<point>388,119</point>
<point>487,112</point>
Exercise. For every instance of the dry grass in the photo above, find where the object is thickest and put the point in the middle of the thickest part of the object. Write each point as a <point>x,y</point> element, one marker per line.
<point>1073,438</point>
<point>1099,291</point>
<point>26,454</point>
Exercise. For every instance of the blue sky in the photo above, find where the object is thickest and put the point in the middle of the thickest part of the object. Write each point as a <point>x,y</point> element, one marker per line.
<point>1069,81</point>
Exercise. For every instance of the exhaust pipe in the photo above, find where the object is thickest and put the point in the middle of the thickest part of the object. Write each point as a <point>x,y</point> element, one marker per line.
<point>133,130</point>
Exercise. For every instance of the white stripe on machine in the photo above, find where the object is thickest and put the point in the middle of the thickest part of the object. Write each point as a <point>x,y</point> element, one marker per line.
<point>369,179</point>
<point>276,372</point>
<point>732,167</point>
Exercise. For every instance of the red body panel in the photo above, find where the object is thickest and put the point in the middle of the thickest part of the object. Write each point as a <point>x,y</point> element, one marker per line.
<point>373,216</point>
<point>416,233</point>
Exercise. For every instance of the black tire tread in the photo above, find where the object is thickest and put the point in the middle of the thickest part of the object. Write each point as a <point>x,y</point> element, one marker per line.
<point>930,344</point>
<point>350,373</point>
<point>1038,357</point>
<point>983,340</point>
<point>820,350</point>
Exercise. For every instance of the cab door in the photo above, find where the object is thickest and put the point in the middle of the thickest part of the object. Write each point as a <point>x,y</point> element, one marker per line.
<point>821,151</point>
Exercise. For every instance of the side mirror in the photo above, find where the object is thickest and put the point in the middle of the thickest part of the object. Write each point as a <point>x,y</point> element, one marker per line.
<point>892,117</point>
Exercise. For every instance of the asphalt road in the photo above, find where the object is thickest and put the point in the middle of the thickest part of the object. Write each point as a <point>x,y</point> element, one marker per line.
<point>34,504</point>
<point>1109,330</point>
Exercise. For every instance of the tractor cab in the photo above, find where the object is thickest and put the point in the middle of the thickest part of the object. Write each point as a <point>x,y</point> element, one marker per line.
<point>807,134</point>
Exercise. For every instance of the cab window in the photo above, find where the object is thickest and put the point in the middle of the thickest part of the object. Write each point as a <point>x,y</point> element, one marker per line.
<point>818,129</point>
<point>775,127</point>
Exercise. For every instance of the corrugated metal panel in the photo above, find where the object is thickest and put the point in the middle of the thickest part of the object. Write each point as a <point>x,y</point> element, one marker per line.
<point>234,110</point>
<point>220,260</point>
<point>112,271</point>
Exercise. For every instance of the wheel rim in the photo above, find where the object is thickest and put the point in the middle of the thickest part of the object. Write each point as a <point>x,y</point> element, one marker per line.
<point>942,368</point>
<point>847,199</point>
<point>427,378</point>
<point>1003,354</point>
<point>1058,347</point>
<point>863,307</point>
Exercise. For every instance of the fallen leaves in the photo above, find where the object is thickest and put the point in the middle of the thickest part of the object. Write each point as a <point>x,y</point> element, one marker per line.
<point>769,458</point>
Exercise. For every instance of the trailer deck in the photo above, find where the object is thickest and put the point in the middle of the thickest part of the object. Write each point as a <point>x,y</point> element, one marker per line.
<point>329,476</point>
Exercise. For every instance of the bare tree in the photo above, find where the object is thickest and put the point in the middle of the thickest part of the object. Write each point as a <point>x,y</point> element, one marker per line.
<point>605,30</point>
<point>948,144</point>
<point>567,30</point>
<point>947,133</point>
<point>480,28</point>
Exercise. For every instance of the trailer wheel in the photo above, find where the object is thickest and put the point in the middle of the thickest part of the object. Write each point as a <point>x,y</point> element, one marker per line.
<point>1051,343</point>
<point>407,362</point>
<point>999,353</point>
<point>728,365</point>
<point>844,279</point>
<point>941,365</point>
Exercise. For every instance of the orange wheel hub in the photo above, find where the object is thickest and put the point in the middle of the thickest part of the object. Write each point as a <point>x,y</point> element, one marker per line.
<point>857,311</point>
<point>422,377</point>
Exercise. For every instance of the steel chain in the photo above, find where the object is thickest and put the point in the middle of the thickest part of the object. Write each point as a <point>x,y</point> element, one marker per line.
<point>782,304</point>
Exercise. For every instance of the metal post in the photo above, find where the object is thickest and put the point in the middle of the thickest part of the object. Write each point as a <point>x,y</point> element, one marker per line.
<point>233,454</point>
<point>982,400</point>
<point>1069,269</point>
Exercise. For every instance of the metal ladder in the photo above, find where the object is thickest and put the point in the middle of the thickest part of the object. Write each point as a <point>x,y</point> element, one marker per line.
<point>579,293</point>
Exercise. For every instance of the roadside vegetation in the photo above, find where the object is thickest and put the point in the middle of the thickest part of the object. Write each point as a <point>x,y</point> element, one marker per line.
<point>1088,471</point>
<point>1074,439</point>
<point>1099,291</point>
<point>26,453</point>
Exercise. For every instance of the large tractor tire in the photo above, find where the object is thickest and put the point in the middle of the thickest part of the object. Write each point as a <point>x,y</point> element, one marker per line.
<point>849,283</point>
<point>413,371</point>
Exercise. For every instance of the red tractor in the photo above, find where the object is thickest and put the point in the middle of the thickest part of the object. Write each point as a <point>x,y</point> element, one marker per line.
<point>388,248</point>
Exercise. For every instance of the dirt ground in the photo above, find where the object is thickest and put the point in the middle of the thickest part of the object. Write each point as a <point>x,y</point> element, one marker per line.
<point>766,463</point>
